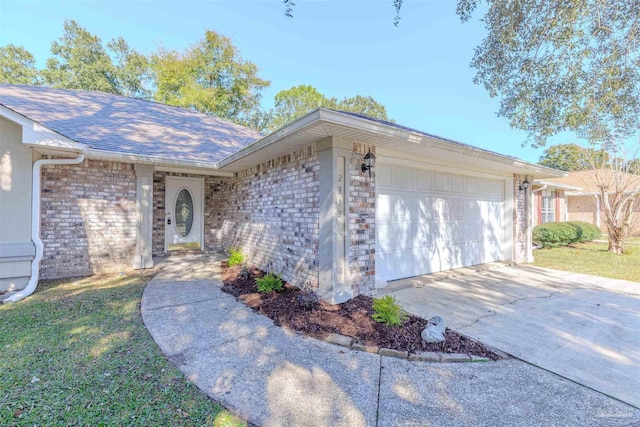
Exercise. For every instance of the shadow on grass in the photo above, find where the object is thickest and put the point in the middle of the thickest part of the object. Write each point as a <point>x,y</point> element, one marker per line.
<point>77,352</point>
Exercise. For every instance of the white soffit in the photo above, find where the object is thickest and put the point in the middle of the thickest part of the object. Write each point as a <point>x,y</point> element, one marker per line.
<point>390,142</point>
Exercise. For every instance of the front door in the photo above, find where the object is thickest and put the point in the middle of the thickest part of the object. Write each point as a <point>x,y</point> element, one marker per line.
<point>184,214</point>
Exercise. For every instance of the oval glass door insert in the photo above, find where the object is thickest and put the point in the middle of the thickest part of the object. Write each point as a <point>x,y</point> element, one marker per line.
<point>184,213</point>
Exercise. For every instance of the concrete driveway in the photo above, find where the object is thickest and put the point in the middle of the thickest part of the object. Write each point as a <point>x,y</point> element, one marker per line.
<point>584,328</point>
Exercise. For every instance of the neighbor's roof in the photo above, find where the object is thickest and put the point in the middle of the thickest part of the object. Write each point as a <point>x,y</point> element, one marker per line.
<point>587,182</point>
<point>119,124</point>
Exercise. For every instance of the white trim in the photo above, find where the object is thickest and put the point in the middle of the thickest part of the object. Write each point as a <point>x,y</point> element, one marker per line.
<point>35,224</point>
<point>201,188</point>
<point>272,138</point>
<point>161,168</point>
<point>155,160</point>
<point>556,185</point>
<point>321,115</point>
<point>426,165</point>
<point>367,125</point>
<point>33,133</point>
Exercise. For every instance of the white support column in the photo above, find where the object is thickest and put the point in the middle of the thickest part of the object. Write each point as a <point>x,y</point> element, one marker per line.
<point>334,284</point>
<point>143,257</point>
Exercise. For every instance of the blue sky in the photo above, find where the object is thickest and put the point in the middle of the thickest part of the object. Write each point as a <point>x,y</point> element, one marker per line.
<point>418,70</point>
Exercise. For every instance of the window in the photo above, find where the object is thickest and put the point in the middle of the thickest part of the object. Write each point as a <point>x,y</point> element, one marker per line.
<point>184,213</point>
<point>548,206</point>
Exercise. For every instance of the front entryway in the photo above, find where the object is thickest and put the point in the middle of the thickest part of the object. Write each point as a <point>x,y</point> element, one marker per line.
<point>184,214</point>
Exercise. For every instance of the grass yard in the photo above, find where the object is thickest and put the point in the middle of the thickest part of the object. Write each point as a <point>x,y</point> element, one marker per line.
<point>592,258</point>
<point>77,353</point>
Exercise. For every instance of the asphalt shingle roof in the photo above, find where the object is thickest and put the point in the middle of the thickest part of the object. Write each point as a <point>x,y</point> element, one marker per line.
<point>125,125</point>
<point>587,180</point>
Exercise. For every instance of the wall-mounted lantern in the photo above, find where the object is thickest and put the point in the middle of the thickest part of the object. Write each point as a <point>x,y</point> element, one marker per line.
<point>525,184</point>
<point>369,161</point>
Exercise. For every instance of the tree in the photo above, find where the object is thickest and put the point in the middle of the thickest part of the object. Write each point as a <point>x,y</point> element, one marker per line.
<point>131,70</point>
<point>209,77</point>
<point>80,61</point>
<point>562,66</point>
<point>17,66</point>
<point>293,103</point>
<point>571,157</point>
<point>618,194</point>
<point>363,104</point>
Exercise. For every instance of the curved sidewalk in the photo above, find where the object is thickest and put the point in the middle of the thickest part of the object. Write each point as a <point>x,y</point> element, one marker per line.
<point>273,376</point>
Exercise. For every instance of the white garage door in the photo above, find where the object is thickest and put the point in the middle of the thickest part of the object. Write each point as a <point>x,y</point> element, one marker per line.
<point>428,221</point>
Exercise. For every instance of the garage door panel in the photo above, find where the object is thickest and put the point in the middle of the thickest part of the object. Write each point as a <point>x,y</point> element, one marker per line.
<point>394,207</point>
<point>425,259</point>
<point>426,233</point>
<point>424,207</point>
<point>395,236</point>
<point>403,177</point>
<point>429,221</point>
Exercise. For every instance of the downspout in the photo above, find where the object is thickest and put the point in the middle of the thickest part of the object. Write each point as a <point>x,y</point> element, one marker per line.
<point>35,223</point>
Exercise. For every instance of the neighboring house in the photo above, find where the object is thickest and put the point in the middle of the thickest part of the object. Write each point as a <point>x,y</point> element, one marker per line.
<point>119,181</point>
<point>576,197</point>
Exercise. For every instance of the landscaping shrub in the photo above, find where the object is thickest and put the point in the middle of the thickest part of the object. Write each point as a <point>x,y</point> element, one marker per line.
<point>387,311</point>
<point>308,297</point>
<point>554,234</point>
<point>586,232</point>
<point>270,282</point>
<point>235,257</point>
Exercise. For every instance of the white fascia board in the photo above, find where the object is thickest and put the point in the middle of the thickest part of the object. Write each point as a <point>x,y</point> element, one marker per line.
<point>35,134</point>
<point>160,163</point>
<point>365,125</point>
<point>272,138</point>
<point>386,130</point>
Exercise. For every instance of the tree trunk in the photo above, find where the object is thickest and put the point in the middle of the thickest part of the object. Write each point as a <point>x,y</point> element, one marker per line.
<point>616,246</point>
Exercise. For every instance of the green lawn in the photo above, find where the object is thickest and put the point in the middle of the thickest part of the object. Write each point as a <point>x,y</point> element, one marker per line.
<point>592,258</point>
<point>77,353</point>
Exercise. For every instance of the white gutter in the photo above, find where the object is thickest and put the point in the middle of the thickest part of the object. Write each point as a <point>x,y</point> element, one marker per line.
<point>35,223</point>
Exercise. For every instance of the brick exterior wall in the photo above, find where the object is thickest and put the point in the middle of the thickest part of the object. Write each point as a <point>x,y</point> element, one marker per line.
<point>88,218</point>
<point>362,224</point>
<point>519,220</point>
<point>271,212</point>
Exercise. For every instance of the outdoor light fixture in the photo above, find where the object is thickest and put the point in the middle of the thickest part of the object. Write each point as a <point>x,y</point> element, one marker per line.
<point>524,184</point>
<point>369,161</point>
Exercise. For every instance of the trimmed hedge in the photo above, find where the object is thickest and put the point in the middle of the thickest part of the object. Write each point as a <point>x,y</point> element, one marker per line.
<point>586,232</point>
<point>553,234</point>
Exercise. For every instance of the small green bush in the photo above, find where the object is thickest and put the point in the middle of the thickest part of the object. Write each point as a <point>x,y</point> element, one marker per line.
<point>553,234</point>
<point>387,311</point>
<point>235,257</point>
<point>270,282</point>
<point>586,232</point>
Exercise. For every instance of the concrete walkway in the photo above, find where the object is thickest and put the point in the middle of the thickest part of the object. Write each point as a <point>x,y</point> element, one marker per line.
<point>584,328</point>
<point>272,376</point>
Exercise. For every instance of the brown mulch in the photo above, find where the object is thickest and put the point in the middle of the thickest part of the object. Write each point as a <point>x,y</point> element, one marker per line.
<point>351,318</point>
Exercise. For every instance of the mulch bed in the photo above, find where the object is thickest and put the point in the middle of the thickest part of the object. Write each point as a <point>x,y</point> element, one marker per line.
<point>352,318</point>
